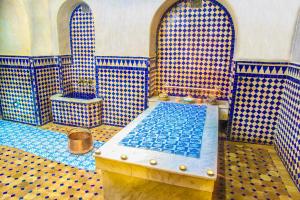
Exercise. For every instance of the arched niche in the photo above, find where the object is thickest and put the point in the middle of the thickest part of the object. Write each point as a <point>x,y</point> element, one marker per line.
<point>76,33</point>
<point>155,76</point>
<point>15,36</point>
<point>295,55</point>
<point>63,25</point>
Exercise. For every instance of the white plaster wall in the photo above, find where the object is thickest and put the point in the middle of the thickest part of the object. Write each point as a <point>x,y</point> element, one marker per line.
<point>296,43</point>
<point>39,17</point>
<point>265,28</point>
<point>14,28</point>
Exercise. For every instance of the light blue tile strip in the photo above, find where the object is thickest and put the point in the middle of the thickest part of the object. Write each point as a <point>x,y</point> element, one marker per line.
<point>44,143</point>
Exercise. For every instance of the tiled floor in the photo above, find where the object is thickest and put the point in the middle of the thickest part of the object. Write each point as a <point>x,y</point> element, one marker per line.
<point>246,171</point>
<point>26,176</point>
<point>45,143</point>
<point>250,171</point>
<point>102,133</point>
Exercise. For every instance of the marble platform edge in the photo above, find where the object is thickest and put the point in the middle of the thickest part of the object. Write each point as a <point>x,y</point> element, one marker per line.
<point>152,174</point>
<point>197,167</point>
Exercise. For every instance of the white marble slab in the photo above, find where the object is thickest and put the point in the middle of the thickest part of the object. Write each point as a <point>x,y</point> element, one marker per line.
<point>196,167</point>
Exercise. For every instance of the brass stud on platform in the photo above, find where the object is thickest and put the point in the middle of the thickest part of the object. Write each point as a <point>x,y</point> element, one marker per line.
<point>124,157</point>
<point>98,152</point>
<point>153,162</point>
<point>182,167</point>
<point>210,172</point>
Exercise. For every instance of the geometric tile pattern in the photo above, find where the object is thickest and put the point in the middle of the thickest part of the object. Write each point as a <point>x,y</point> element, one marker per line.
<point>67,74</point>
<point>27,84</point>
<point>16,90</point>
<point>82,35</point>
<point>101,133</point>
<point>244,172</point>
<point>195,49</point>
<point>27,176</point>
<point>185,141</point>
<point>152,77</point>
<point>250,171</point>
<point>44,143</point>
<point>77,95</point>
<point>257,91</point>
<point>86,115</point>
<point>287,140</point>
<point>122,83</point>
<point>47,84</point>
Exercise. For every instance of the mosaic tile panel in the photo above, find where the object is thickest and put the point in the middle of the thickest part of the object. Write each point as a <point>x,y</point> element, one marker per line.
<point>44,143</point>
<point>27,176</point>
<point>171,128</point>
<point>85,115</point>
<point>28,83</point>
<point>16,90</point>
<point>67,71</point>
<point>257,94</point>
<point>122,83</point>
<point>250,171</point>
<point>195,49</point>
<point>82,34</point>
<point>101,133</point>
<point>287,140</point>
<point>246,171</point>
<point>47,84</point>
<point>152,77</point>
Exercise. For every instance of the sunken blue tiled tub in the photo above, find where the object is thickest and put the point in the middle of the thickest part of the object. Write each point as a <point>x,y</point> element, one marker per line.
<point>76,109</point>
<point>168,144</point>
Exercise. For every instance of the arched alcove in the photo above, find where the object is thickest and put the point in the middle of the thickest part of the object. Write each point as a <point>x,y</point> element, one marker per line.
<point>15,36</point>
<point>82,39</point>
<point>63,25</point>
<point>191,49</point>
<point>76,32</point>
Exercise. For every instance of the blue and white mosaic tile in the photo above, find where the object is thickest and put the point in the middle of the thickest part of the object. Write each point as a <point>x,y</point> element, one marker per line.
<point>47,77</point>
<point>67,73</point>
<point>257,92</point>
<point>122,83</point>
<point>80,114</point>
<point>27,84</point>
<point>171,128</point>
<point>82,47</point>
<point>17,90</point>
<point>195,49</point>
<point>44,143</point>
<point>287,139</point>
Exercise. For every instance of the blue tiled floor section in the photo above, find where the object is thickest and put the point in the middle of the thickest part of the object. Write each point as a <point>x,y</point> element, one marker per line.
<point>44,143</point>
<point>171,128</point>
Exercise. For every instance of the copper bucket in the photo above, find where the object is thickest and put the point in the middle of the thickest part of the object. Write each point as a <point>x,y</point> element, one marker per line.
<point>80,141</point>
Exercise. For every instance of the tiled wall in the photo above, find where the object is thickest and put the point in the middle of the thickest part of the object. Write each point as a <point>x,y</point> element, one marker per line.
<point>195,49</point>
<point>287,139</point>
<point>16,90</point>
<point>46,75</point>
<point>257,92</point>
<point>82,35</point>
<point>67,83</point>
<point>122,83</point>
<point>26,85</point>
<point>87,115</point>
